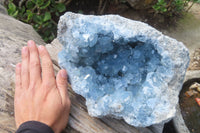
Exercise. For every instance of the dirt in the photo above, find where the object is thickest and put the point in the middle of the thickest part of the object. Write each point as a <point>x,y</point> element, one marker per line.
<point>195,60</point>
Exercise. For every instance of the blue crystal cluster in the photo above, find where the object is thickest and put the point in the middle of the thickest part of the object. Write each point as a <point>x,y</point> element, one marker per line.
<point>121,73</point>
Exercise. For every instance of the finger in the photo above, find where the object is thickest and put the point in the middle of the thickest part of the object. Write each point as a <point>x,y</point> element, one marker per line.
<point>25,68</point>
<point>34,63</point>
<point>18,79</point>
<point>61,81</point>
<point>47,66</point>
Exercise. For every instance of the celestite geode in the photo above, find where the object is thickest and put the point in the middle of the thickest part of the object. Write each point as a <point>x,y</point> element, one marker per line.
<point>124,68</point>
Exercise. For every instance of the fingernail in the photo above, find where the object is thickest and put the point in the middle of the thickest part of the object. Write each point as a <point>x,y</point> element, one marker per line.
<point>18,66</point>
<point>25,49</point>
<point>64,74</point>
<point>41,47</point>
<point>30,43</point>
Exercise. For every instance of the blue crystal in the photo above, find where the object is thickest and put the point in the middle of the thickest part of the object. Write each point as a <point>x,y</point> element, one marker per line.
<point>123,68</point>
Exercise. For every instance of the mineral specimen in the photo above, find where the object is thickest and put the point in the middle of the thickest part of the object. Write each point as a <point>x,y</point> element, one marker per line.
<point>124,68</point>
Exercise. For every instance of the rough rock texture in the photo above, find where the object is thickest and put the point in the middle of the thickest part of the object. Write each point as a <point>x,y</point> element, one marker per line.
<point>124,68</point>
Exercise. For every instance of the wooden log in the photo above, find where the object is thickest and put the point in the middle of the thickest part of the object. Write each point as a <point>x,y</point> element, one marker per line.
<point>13,35</point>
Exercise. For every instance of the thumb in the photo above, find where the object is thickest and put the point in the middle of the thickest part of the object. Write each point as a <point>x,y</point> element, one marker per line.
<point>61,81</point>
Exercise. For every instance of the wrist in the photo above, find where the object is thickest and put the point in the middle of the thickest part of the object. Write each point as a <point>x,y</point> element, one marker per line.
<point>36,126</point>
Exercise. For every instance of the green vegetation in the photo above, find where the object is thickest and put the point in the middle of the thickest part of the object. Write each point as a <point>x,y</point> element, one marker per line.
<point>173,7</point>
<point>41,14</point>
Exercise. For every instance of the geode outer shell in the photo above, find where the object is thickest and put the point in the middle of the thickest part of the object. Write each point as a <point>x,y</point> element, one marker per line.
<point>124,68</point>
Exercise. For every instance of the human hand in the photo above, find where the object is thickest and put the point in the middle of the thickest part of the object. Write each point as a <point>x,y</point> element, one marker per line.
<point>40,97</point>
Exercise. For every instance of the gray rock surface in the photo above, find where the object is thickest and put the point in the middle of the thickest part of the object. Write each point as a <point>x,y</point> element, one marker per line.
<point>179,123</point>
<point>146,92</point>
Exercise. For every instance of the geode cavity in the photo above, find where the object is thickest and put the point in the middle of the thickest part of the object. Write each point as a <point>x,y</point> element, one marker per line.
<point>124,68</point>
